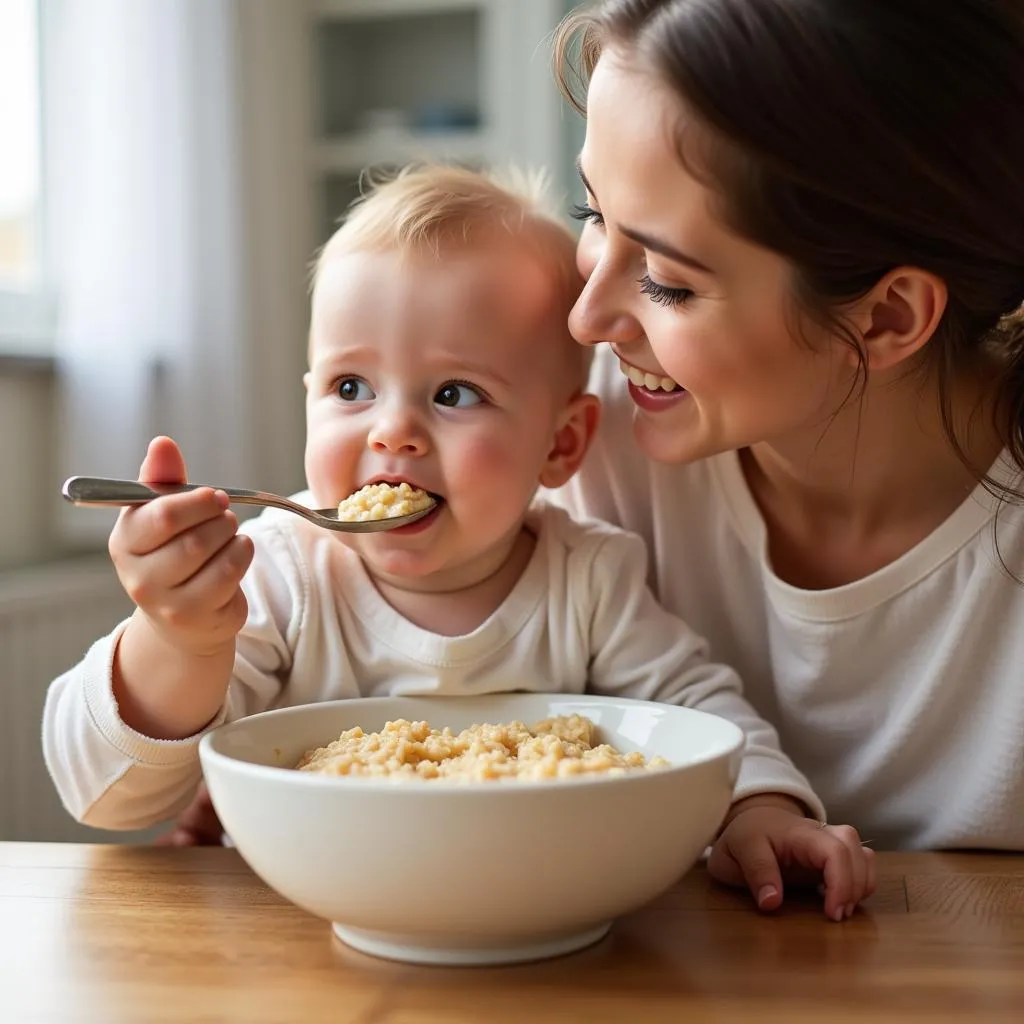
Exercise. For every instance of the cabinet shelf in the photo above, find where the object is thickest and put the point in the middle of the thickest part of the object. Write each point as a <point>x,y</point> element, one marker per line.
<point>352,152</point>
<point>355,10</point>
<point>398,81</point>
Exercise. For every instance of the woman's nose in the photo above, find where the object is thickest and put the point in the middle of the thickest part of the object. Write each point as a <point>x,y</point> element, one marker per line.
<point>397,431</point>
<point>603,311</point>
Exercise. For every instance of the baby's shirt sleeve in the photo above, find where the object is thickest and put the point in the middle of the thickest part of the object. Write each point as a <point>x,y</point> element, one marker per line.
<point>110,776</point>
<point>638,649</point>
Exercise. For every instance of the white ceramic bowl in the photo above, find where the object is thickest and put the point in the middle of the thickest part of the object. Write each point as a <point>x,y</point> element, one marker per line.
<point>479,872</point>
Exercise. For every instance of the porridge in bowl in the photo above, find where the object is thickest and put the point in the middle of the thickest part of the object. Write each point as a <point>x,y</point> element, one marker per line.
<point>554,748</point>
<point>447,871</point>
<point>383,501</point>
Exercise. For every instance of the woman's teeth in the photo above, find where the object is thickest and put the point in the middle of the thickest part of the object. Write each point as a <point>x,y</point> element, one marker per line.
<point>650,381</point>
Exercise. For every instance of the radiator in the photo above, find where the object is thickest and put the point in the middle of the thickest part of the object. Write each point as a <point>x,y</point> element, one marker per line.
<point>48,619</point>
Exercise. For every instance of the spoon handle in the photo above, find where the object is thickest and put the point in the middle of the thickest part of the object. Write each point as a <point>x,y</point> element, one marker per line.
<point>103,491</point>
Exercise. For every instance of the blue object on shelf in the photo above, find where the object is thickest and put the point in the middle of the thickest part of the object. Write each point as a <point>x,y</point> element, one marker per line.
<point>440,117</point>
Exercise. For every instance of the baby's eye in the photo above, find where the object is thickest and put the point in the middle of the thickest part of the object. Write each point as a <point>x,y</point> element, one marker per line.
<point>457,396</point>
<point>354,389</point>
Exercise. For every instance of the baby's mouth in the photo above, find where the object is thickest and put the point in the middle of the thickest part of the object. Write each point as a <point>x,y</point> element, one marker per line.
<point>648,381</point>
<point>394,481</point>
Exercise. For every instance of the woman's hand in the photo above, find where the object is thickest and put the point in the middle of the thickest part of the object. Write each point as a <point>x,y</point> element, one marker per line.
<point>768,841</point>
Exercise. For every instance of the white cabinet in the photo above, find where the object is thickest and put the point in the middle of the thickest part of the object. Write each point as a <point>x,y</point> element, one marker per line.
<point>400,80</point>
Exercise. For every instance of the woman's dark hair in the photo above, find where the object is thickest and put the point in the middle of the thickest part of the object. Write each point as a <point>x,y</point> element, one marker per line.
<point>853,137</point>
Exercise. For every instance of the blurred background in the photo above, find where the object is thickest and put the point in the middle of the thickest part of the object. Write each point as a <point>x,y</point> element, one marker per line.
<point>167,171</point>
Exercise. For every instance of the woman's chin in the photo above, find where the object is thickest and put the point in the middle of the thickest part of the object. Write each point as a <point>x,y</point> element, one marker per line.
<point>660,443</point>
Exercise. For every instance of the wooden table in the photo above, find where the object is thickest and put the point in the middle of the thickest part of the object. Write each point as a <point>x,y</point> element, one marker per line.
<point>132,935</point>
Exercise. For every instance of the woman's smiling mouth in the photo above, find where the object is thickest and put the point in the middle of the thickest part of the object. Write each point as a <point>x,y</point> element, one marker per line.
<point>651,391</point>
<point>652,382</point>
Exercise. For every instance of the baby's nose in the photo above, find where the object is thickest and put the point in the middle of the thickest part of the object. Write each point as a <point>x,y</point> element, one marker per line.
<point>398,433</point>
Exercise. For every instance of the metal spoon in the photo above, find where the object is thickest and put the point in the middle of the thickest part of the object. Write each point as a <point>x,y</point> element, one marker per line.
<point>100,491</point>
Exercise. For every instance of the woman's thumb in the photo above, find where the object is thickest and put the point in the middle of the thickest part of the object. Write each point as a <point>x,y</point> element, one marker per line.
<point>163,463</point>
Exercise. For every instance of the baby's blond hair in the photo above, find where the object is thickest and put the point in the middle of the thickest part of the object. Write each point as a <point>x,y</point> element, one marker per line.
<point>428,208</point>
<point>425,206</point>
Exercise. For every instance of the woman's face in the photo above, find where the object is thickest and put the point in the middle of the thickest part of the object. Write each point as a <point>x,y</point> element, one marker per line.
<point>700,319</point>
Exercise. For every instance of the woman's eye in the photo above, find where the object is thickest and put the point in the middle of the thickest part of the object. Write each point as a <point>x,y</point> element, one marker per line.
<point>353,389</point>
<point>585,212</point>
<point>457,396</point>
<point>662,294</point>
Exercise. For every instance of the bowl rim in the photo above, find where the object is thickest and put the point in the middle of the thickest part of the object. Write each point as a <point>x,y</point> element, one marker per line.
<point>341,783</point>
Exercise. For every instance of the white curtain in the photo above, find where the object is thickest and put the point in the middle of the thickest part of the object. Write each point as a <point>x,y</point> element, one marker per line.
<point>144,182</point>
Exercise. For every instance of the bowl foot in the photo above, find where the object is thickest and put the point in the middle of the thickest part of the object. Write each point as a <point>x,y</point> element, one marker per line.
<point>418,949</point>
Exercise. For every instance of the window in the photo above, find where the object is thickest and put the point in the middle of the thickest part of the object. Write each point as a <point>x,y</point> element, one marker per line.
<point>24,320</point>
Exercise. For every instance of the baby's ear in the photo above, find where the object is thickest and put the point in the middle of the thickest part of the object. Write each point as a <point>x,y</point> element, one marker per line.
<point>576,429</point>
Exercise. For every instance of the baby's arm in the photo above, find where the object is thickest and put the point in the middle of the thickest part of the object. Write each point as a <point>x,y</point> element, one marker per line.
<point>111,775</point>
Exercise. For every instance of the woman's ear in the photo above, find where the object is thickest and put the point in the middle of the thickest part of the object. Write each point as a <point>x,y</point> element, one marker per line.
<point>575,431</point>
<point>898,317</point>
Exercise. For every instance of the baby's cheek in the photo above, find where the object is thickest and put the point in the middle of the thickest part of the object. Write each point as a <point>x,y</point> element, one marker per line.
<point>491,467</point>
<point>331,458</point>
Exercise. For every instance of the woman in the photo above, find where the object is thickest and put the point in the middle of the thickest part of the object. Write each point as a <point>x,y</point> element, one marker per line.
<point>804,253</point>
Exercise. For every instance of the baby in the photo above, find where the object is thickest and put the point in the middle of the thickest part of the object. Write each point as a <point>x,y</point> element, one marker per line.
<point>439,356</point>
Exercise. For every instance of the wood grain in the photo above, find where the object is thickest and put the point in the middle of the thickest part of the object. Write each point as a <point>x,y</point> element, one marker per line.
<point>133,935</point>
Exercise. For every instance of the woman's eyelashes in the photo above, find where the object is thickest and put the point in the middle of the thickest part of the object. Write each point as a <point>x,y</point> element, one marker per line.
<point>585,212</point>
<point>662,294</point>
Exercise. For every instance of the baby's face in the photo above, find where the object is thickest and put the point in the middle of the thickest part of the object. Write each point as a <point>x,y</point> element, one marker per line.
<point>449,373</point>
